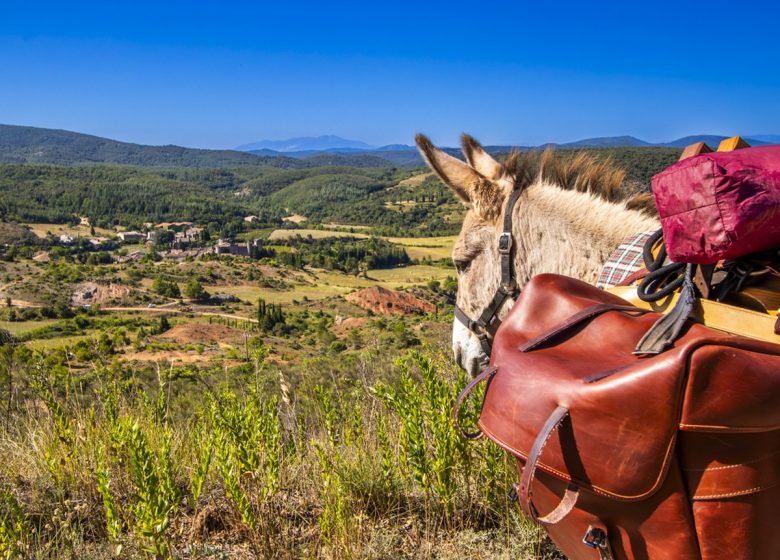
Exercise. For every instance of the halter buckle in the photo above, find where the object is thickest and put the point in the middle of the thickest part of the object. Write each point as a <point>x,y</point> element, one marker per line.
<point>504,242</point>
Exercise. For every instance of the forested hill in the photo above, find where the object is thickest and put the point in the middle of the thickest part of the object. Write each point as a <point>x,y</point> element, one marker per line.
<point>25,144</point>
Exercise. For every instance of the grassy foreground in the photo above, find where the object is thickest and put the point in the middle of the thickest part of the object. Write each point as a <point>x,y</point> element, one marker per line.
<point>104,461</point>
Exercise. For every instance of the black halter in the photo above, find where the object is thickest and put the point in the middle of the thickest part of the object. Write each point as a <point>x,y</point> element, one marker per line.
<point>482,327</point>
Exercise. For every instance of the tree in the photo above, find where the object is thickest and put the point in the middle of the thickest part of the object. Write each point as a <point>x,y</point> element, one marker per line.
<point>269,315</point>
<point>166,288</point>
<point>164,325</point>
<point>194,290</point>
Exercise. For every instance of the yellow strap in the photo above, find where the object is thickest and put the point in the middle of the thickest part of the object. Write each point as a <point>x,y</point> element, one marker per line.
<point>713,314</point>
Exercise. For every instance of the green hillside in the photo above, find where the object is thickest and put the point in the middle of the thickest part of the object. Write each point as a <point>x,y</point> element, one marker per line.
<point>112,195</point>
<point>25,144</point>
<point>108,195</point>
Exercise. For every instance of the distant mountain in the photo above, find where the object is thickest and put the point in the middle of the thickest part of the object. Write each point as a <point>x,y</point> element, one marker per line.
<point>306,144</point>
<point>396,148</point>
<point>768,138</point>
<point>607,142</point>
<point>711,140</point>
<point>26,144</point>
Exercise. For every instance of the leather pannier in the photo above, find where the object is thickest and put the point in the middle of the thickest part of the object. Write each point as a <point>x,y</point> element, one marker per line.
<point>675,455</point>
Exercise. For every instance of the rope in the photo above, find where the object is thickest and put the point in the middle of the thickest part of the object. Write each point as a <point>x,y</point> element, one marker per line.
<point>663,279</point>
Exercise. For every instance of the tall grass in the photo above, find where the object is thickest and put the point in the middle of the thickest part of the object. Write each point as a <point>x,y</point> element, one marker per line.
<point>373,471</point>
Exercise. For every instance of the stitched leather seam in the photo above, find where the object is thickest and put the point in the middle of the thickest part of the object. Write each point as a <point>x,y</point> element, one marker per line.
<point>733,429</point>
<point>539,455</point>
<point>724,467</point>
<point>734,494</point>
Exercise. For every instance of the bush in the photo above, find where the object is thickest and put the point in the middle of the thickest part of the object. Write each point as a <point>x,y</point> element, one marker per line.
<point>194,290</point>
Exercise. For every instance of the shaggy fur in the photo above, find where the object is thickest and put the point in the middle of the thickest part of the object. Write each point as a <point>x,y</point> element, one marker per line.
<point>573,212</point>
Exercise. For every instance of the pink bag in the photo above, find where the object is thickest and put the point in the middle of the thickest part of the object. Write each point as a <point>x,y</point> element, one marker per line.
<point>720,205</point>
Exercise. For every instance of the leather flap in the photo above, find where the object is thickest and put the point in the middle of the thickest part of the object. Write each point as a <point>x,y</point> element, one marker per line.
<point>624,410</point>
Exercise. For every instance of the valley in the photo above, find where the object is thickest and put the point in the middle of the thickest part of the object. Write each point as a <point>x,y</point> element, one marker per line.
<point>237,361</point>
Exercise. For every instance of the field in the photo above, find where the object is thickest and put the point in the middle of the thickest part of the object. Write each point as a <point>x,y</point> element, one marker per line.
<point>42,230</point>
<point>435,248</point>
<point>22,327</point>
<point>282,234</point>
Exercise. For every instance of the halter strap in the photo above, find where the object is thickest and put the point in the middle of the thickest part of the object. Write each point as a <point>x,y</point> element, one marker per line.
<point>506,289</point>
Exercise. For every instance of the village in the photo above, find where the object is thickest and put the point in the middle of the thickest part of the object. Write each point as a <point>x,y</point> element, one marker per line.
<point>176,240</point>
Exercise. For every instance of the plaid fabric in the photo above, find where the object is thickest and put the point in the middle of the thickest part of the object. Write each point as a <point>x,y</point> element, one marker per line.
<point>623,261</point>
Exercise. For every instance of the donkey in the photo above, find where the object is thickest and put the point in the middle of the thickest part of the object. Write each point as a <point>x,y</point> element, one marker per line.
<point>565,215</point>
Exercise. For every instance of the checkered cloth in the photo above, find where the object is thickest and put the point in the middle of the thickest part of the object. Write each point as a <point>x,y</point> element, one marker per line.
<point>623,261</point>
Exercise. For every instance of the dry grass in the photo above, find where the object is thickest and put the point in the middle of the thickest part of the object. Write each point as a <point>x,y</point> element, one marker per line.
<point>109,470</point>
<point>321,284</point>
<point>41,230</point>
<point>415,181</point>
<point>51,343</point>
<point>435,248</point>
<point>334,225</point>
<point>23,327</point>
<point>281,234</point>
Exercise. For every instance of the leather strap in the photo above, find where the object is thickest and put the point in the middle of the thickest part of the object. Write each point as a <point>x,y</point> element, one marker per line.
<point>507,289</point>
<point>575,320</point>
<point>487,374</point>
<point>665,330</point>
<point>524,490</point>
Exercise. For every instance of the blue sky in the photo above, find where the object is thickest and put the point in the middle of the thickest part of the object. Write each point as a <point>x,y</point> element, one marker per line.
<point>221,74</point>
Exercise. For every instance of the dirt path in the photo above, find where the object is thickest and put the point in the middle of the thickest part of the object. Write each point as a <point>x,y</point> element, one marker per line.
<point>162,309</point>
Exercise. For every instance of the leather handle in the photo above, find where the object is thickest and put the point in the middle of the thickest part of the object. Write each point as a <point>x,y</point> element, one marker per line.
<point>524,490</point>
<point>576,319</point>
<point>488,373</point>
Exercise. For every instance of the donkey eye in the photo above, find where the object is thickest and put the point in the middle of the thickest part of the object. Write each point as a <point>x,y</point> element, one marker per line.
<point>461,265</point>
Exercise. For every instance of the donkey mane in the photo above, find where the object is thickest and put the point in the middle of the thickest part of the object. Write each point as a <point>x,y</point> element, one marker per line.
<point>581,172</point>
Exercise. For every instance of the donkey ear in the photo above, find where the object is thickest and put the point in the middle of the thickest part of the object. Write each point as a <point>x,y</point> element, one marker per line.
<point>460,177</point>
<point>479,159</point>
<point>470,185</point>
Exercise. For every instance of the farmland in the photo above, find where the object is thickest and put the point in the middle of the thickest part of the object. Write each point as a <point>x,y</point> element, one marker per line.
<point>435,248</point>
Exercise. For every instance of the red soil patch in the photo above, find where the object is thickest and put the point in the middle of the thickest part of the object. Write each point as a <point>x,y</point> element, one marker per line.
<point>389,302</point>
<point>342,328</point>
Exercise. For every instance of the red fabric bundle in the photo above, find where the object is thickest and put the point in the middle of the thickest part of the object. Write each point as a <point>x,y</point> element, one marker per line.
<point>720,205</point>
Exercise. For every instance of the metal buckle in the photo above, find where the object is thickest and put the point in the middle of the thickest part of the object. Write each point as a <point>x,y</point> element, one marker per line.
<point>504,242</point>
<point>595,537</point>
<point>509,289</point>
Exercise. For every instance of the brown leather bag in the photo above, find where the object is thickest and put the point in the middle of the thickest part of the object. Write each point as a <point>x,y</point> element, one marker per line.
<point>671,456</point>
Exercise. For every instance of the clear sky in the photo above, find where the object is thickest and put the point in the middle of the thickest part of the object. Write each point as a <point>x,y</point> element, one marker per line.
<point>219,74</point>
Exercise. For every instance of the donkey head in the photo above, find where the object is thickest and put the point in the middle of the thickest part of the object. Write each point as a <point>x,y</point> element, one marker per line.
<point>484,185</point>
